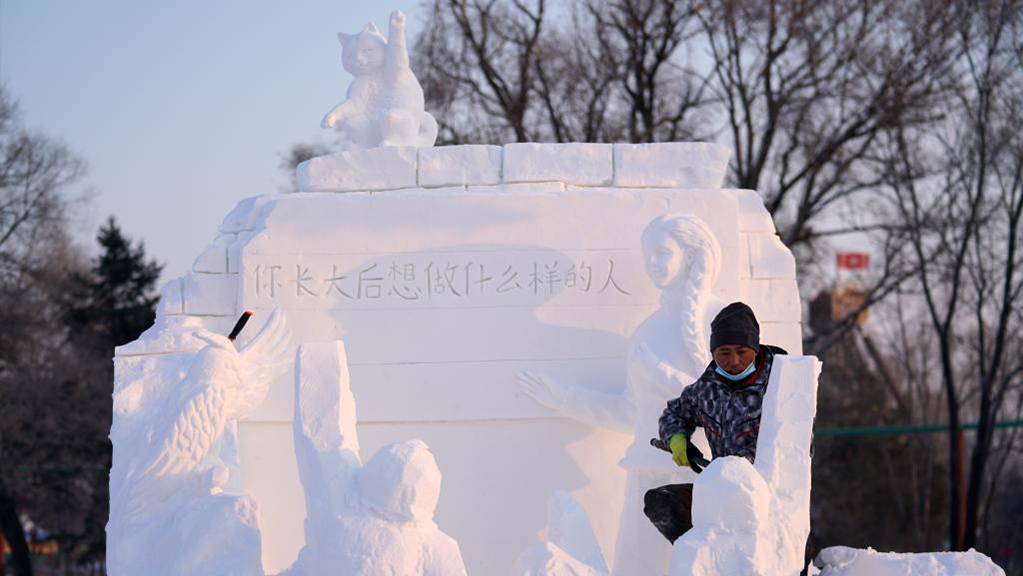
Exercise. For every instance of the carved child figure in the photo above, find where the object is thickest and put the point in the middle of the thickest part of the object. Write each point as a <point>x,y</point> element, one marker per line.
<point>384,104</point>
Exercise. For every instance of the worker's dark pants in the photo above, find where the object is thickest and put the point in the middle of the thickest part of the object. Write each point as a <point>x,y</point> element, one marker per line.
<point>670,508</point>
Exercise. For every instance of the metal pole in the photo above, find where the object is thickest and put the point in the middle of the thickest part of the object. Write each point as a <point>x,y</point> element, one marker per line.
<point>961,535</point>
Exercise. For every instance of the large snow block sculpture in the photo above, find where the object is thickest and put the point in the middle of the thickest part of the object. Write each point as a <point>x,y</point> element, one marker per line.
<point>754,520</point>
<point>443,296</point>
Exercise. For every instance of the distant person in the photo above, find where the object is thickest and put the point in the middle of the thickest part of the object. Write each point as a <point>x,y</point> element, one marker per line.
<point>725,401</point>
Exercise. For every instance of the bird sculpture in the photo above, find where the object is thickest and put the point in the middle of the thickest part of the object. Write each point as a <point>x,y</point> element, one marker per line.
<point>222,384</point>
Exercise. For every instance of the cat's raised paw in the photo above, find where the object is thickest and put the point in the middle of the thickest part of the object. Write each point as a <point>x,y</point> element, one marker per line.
<point>398,19</point>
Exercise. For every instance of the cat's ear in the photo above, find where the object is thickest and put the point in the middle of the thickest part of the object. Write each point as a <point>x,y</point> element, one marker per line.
<point>371,28</point>
<point>344,38</point>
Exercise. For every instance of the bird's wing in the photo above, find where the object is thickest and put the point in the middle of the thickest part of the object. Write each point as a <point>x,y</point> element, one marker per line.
<point>190,433</point>
<point>269,350</point>
<point>272,344</point>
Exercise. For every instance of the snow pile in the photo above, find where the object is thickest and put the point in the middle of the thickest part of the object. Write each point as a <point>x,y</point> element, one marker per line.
<point>843,561</point>
<point>361,520</point>
<point>570,547</point>
<point>755,520</point>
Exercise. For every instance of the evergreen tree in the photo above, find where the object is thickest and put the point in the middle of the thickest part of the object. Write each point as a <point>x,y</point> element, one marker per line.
<point>117,302</point>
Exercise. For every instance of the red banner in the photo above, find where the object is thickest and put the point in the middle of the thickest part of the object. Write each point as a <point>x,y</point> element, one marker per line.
<point>853,260</point>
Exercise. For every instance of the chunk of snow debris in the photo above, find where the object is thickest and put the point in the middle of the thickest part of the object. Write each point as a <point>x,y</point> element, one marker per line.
<point>844,561</point>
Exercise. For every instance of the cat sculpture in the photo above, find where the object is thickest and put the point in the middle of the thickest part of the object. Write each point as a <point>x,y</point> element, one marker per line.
<point>384,104</point>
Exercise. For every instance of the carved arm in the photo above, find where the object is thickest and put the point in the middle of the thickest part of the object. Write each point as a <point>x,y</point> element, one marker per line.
<point>337,114</point>
<point>598,409</point>
<point>397,52</point>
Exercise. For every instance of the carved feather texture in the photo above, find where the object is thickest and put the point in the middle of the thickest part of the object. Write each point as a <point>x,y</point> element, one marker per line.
<point>222,384</point>
<point>193,433</point>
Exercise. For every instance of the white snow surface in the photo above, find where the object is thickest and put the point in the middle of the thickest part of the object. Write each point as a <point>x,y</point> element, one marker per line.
<point>844,561</point>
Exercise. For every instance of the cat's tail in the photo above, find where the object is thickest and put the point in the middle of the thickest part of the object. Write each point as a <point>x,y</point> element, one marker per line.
<point>427,131</point>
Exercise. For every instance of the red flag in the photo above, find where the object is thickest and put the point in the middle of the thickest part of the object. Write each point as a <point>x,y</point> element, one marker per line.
<point>853,260</point>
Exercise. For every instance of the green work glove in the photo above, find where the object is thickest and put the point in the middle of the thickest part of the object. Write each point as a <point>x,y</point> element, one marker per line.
<point>677,444</point>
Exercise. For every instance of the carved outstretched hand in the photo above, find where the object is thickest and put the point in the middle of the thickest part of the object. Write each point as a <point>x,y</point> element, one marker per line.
<point>544,389</point>
<point>397,20</point>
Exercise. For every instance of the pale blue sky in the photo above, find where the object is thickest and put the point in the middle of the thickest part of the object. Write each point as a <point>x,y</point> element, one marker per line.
<point>179,108</point>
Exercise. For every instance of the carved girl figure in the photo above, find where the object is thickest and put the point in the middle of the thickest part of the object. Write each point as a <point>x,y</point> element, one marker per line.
<point>384,104</point>
<point>665,353</point>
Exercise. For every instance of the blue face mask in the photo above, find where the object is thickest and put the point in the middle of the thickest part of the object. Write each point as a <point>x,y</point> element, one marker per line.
<point>741,375</point>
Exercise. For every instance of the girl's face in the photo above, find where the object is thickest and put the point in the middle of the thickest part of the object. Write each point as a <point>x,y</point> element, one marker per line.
<point>663,259</point>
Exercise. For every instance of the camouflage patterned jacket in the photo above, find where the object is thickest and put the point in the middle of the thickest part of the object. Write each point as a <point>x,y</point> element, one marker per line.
<point>729,412</point>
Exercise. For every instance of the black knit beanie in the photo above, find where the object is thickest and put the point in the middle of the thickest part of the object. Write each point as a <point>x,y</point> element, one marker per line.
<point>735,325</point>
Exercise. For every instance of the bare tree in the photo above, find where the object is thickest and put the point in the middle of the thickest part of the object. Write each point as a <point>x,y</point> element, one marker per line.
<point>807,88</point>
<point>646,43</point>
<point>958,195</point>
<point>34,171</point>
<point>476,59</point>
<point>298,154</point>
<point>804,92</point>
<point>499,71</point>
<point>877,377</point>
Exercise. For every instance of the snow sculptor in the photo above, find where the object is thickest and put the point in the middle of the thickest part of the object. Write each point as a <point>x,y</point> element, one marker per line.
<point>384,104</point>
<point>755,402</point>
<point>361,520</point>
<point>725,401</point>
<point>173,490</point>
<point>682,258</point>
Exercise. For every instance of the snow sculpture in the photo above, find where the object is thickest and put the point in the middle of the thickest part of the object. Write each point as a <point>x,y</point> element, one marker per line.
<point>173,490</point>
<point>570,547</point>
<point>361,520</point>
<point>384,104</point>
<point>843,561</point>
<point>364,259</point>
<point>665,353</point>
<point>754,520</point>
